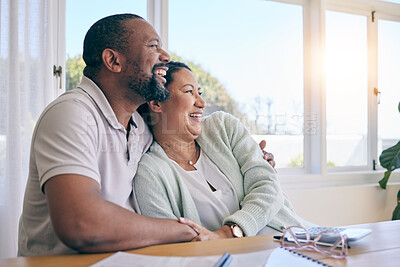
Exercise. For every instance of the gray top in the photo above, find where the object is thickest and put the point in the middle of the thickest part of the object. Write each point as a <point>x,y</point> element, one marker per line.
<point>161,191</point>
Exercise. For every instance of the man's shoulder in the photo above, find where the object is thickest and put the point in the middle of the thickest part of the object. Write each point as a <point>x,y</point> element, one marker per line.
<point>68,105</point>
<point>83,92</point>
<point>77,94</point>
<point>78,99</point>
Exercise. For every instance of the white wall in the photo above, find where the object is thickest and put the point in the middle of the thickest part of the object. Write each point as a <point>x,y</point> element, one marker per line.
<point>335,206</point>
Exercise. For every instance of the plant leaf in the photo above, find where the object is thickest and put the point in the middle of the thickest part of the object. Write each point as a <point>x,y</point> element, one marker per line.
<point>396,212</point>
<point>390,158</point>
<point>385,179</point>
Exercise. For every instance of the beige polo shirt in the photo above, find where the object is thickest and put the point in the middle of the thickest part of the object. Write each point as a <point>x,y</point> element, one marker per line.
<point>78,133</point>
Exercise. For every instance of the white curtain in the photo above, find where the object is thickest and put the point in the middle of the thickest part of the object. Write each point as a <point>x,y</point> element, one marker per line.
<point>27,46</point>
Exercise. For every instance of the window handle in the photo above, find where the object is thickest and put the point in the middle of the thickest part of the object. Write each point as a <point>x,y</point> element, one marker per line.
<point>57,72</point>
<point>378,94</point>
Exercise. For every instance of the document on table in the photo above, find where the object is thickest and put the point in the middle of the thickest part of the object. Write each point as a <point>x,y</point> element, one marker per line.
<point>124,259</point>
<point>285,257</point>
<point>278,257</point>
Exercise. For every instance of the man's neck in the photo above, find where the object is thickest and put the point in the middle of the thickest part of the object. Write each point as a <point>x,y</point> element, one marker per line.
<point>122,105</point>
<point>123,101</point>
<point>123,111</point>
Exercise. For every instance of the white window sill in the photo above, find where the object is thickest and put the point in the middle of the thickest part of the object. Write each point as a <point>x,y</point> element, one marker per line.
<point>337,179</point>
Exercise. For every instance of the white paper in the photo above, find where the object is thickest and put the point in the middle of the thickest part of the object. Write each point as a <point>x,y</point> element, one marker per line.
<point>281,257</point>
<point>123,259</point>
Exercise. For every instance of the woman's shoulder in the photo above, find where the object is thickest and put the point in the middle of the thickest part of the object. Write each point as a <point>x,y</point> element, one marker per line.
<point>219,117</point>
<point>155,168</point>
<point>154,158</point>
<point>219,128</point>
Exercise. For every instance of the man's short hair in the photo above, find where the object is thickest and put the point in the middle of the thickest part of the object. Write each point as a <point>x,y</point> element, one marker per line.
<point>109,32</point>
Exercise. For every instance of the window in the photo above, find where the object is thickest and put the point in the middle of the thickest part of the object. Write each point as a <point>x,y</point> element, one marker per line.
<point>388,83</point>
<point>249,60</point>
<point>346,89</point>
<point>256,61</point>
<point>298,73</point>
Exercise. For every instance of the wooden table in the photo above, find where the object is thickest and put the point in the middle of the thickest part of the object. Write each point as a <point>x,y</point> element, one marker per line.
<point>380,248</point>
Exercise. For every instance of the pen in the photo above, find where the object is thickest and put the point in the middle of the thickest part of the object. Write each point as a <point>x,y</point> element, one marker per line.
<point>224,261</point>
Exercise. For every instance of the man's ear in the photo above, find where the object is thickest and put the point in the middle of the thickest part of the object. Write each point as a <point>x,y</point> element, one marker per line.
<point>155,105</point>
<point>112,60</point>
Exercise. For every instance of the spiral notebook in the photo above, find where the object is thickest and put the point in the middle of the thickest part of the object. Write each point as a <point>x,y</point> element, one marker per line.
<point>285,257</point>
<point>280,257</point>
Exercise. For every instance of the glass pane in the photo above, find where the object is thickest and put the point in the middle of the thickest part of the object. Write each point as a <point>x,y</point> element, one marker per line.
<point>248,58</point>
<point>78,22</point>
<point>346,89</point>
<point>388,84</point>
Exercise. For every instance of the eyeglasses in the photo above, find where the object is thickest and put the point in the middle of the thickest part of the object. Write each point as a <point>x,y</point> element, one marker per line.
<point>328,242</point>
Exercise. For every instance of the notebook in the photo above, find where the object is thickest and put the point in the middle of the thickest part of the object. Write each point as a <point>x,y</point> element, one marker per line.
<point>281,257</point>
<point>124,259</point>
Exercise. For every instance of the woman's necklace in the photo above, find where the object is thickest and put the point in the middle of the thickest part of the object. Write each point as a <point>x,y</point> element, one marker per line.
<point>190,162</point>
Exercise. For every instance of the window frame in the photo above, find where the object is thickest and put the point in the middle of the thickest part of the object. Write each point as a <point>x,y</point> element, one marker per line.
<point>60,27</point>
<point>315,173</point>
<point>371,84</point>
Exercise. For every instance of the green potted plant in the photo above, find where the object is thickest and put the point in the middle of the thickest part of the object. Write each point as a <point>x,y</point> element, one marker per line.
<point>390,160</point>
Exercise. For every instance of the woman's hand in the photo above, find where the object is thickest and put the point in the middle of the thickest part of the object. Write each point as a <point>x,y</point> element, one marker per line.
<point>205,234</point>
<point>267,156</point>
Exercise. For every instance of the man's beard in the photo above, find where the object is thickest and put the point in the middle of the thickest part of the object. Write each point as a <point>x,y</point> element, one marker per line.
<point>149,88</point>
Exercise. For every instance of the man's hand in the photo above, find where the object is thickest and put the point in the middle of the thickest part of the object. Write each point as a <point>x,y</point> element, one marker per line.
<point>267,156</point>
<point>205,234</point>
<point>86,222</point>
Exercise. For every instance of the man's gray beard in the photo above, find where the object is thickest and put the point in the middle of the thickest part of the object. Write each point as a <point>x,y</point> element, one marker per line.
<point>149,89</point>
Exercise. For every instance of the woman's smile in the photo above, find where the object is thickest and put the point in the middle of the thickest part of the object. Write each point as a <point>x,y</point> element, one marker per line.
<point>196,116</point>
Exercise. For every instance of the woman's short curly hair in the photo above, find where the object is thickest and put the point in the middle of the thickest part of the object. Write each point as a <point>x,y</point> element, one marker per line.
<point>144,109</point>
<point>109,32</point>
<point>173,67</point>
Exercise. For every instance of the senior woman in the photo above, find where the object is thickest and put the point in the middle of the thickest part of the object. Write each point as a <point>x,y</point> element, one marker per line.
<point>208,170</point>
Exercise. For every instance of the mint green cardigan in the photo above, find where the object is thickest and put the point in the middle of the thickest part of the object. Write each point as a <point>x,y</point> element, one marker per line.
<point>161,192</point>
